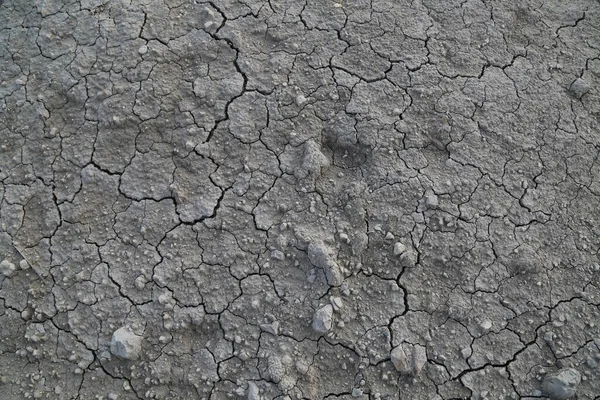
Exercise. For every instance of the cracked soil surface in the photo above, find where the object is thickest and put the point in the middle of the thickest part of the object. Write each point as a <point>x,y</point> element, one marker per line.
<point>299,199</point>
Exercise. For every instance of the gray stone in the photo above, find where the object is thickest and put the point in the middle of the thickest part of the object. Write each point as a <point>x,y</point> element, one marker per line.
<point>277,255</point>
<point>579,87</point>
<point>126,344</point>
<point>323,319</point>
<point>561,384</point>
<point>272,328</point>
<point>336,302</point>
<point>399,249</point>
<point>253,392</point>
<point>23,264</point>
<point>7,268</point>
<point>409,359</point>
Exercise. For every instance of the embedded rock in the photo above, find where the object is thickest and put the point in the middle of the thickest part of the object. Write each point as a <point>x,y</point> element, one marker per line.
<point>323,319</point>
<point>561,384</point>
<point>126,344</point>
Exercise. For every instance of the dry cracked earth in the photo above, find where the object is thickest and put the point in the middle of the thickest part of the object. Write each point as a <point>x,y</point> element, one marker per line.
<point>284,199</point>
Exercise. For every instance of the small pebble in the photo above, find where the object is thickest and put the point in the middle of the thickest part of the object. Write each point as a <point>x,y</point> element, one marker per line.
<point>323,319</point>
<point>399,249</point>
<point>579,88</point>
<point>7,268</point>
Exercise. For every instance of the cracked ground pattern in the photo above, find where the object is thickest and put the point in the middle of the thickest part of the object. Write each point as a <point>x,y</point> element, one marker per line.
<point>299,199</point>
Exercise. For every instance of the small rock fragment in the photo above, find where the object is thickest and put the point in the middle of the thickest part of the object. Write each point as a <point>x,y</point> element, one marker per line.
<point>23,264</point>
<point>409,359</point>
<point>125,344</point>
<point>272,328</point>
<point>336,302</point>
<point>253,392</point>
<point>357,392</point>
<point>345,289</point>
<point>320,256</point>
<point>431,201</point>
<point>485,326</point>
<point>419,359</point>
<point>7,268</point>
<point>27,313</point>
<point>140,282</point>
<point>323,319</point>
<point>52,133</point>
<point>277,255</point>
<point>300,99</point>
<point>561,384</point>
<point>579,87</point>
<point>399,248</point>
<point>428,202</point>
<point>189,145</point>
<point>400,359</point>
<point>465,353</point>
